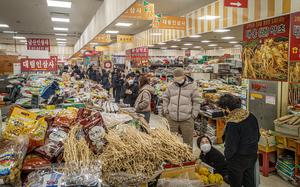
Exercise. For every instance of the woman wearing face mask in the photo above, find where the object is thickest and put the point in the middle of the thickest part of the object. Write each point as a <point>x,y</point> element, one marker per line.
<point>130,90</point>
<point>212,156</point>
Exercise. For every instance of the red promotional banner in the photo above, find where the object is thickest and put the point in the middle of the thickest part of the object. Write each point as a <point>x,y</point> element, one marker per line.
<point>38,64</point>
<point>270,28</point>
<point>38,44</point>
<point>295,37</point>
<point>236,3</point>
<point>139,56</point>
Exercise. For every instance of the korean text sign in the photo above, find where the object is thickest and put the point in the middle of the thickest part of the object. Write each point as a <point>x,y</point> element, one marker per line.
<point>38,44</point>
<point>37,64</point>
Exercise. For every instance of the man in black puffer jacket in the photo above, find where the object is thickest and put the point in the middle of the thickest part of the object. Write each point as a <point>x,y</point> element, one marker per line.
<point>241,138</point>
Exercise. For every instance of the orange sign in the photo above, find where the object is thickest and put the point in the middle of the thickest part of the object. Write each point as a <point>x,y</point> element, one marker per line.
<point>169,22</point>
<point>124,38</point>
<point>140,11</point>
<point>103,38</point>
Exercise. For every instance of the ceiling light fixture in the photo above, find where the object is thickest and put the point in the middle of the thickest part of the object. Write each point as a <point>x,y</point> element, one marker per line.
<point>19,38</point>
<point>195,36</point>
<point>184,48</point>
<point>10,32</point>
<point>212,45</point>
<point>61,42</point>
<point>174,46</point>
<point>197,47</point>
<point>209,17</point>
<point>161,43</point>
<point>188,44</point>
<point>233,42</point>
<point>4,25</point>
<point>156,34</point>
<point>65,20</point>
<point>60,4</point>
<point>123,24</point>
<point>60,29</point>
<point>111,32</point>
<point>222,30</point>
<point>61,34</point>
<point>61,39</point>
<point>228,37</point>
<point>205,41</point>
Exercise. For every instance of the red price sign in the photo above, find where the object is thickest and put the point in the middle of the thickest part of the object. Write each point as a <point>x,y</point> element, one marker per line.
<point>270,28</point>
<point>38,64</point>
<point>295,37</point>
<point>38,44</point>
<point>236,3</point>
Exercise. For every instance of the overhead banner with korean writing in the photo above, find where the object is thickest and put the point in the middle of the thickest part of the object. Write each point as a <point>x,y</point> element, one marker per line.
<point>295,37</point>
<point>37,64</point>
<point>140,11</point>
<point>124,38</point>
<point>169,22</point>
<point>265,49</point>
<point>38,44</point>
<point>103,38</point>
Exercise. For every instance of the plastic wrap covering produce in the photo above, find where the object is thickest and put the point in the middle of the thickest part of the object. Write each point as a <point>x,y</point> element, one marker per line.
<point>12,153</point>
<point>24,122</point>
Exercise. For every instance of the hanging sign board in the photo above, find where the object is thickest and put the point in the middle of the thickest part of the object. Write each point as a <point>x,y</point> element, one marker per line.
<point>265,49</point>
<point>236,3</point>
<point>140,11</point>
<point>124,38</point>
<point>169,22</point>
<point>38,44</point>
<point>101,48</point>
<point>38,64</point>
<point>295,37</point>
<point>102,38</point>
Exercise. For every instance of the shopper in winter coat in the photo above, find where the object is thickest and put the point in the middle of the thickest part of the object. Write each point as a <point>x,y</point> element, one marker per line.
<point>181,105</point>
<point>105,80</point>
<point>212,156</point>
<point>94,74</point>
<point>143,101</point>
<point>119,82</point>
<point>130,90</point>
<point>241,138</point>
<point>77,73</point>
<point>114,82</point>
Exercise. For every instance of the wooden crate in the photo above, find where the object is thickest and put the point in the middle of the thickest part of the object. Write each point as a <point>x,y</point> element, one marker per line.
<point>291,143</point>
<point>281,141</point>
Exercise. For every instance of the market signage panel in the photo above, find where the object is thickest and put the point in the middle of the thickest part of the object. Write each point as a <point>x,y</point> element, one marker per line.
<point>295,37</point>
<point>38,64</point>
<point>103,38</point>
<point>236,3</point>
<point>265,49</point>
<point>124,38</point>
<point>169,22</point>
<point>140,11</point>
<point>38,44</point>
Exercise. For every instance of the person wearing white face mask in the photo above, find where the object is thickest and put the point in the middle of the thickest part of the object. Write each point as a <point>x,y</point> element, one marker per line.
<point>181,105</point>
<point>212,156</point>
<point>130,90</point>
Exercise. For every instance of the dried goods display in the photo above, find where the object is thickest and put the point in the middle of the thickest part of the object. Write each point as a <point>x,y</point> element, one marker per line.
<point>294,94</point>
<point>267,61</point>
<point>294,75</point>
<point>288,120</point>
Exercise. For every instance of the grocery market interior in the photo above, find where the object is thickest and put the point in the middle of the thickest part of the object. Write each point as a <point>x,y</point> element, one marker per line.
<point>150,93</point>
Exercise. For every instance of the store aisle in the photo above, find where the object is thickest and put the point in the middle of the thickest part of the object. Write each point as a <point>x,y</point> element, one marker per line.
<point>272,181</point>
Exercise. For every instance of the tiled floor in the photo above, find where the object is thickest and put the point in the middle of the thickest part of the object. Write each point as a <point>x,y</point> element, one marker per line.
<point>272,181</point>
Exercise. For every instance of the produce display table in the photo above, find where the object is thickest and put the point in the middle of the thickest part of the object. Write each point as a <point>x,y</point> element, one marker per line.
<point>266,152</point>
<point>220,125</point>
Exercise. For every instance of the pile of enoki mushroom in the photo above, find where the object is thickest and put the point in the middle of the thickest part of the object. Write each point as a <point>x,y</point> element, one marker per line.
<point>130,156</point>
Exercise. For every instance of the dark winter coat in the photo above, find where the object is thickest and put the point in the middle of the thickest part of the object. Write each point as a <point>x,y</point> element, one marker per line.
<point>94,75</point>
<point>105,81</point>
<point>215,159</point>
<point>130,98</point>
<point>241,134</point>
